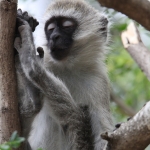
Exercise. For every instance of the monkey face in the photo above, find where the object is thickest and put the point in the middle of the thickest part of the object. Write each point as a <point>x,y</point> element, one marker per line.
<point>59,33</point>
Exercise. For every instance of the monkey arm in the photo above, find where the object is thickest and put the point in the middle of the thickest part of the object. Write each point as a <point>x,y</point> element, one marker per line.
<point>57,93</point>
<point>29,96</point>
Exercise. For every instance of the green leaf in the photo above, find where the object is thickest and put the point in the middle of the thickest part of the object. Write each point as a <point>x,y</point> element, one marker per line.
<point>16,143</point>
<point>5,147</point>
<point>121,27</point>
<point>14,136</point>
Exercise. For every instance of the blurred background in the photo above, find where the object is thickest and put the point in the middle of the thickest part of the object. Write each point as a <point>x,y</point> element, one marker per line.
<point>130,88</point>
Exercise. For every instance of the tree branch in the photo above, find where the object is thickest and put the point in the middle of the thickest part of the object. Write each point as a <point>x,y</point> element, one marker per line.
<point>133,134</point>
<point>127,110</point>
<point>133,44</point>
<point>139,10</point>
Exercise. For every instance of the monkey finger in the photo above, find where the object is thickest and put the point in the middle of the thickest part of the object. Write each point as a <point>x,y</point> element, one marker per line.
<point>40,51</point>
<point>36,23</point>
<point>31,23</point>
<point>25,16</point>
<point>19,12</point>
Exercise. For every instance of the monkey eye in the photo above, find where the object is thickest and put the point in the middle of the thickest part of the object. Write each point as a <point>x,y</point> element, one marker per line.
<point>67,23</point>
<point>51,26</point>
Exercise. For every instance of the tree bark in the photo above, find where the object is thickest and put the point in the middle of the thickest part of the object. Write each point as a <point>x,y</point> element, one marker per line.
<point>9,119</point>
<point>133,134</point>
<point>139,10</point>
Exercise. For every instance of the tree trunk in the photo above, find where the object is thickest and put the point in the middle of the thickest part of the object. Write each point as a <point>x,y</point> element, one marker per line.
<point>9,119</point>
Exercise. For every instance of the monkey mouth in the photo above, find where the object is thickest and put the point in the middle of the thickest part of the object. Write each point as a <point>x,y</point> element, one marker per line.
<point>59,53</point>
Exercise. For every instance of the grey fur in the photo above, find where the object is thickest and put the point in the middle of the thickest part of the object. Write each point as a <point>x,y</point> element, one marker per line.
<point>65,104</point>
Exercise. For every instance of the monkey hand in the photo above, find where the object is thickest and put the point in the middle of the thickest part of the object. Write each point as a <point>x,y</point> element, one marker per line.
<point>25,43</point>
<point>25,39</point>
<point>31,21</point>
<point>24,27</point>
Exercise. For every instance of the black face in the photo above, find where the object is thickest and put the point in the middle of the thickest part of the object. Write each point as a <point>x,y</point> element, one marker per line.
<point>59,32</point>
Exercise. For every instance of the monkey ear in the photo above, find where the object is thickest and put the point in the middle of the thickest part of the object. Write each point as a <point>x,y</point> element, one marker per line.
<point>103,23</point>
<point>103,26</point>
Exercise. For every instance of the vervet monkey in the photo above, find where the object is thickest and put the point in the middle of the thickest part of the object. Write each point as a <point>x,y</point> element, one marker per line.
<point>64,97</point>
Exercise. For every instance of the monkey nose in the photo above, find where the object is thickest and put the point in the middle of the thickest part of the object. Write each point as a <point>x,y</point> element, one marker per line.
<point>56,37</point>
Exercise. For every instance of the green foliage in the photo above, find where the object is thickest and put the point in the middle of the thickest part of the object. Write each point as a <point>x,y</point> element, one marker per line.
<point>14,142</point>
<point>120,27</point>
<point>128,81</point>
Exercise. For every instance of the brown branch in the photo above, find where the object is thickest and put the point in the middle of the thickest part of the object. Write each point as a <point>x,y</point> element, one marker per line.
<point>126,109</point>
<point>139,10</point>
<point>9,118</point>
<point>133,134</point>
<point>133,44</point>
